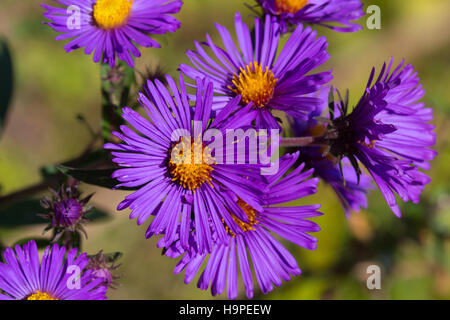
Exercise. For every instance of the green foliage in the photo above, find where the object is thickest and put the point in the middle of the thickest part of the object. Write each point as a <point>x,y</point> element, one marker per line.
<point>21,214</point>
<point>99,177</point>
<point>116,83</point>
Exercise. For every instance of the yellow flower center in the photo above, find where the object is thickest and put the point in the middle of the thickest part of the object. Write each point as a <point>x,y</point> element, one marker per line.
<point>110,14</point>
<point>245,226</point>
<point>190,163</point>
<point>41,296</point>
<point>254,85</point>
<point>289,6</point>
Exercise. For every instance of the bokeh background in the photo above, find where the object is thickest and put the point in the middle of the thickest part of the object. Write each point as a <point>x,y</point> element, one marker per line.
<point>53,88</point>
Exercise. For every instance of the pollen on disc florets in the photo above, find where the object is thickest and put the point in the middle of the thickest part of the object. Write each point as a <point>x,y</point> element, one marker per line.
<point>254,84</point>
<point>38,295</point>
<point>110,14</point>
<point>290,6</point>
<point>190,163</point>
<point>245,226</point>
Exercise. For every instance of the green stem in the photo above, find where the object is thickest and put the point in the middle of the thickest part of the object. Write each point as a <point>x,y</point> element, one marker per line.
<point>115,85</point>
<point>297,142</point>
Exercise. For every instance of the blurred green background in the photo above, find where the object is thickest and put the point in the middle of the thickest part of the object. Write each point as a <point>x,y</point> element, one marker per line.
<point>52,88</point>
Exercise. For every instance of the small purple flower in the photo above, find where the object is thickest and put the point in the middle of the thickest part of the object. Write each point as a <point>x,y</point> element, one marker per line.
<point>351,192</point>
<point>111,28</point>
<point>388,132</point>
<point>173,190</point>
<point>334,14</point>
<point>255,244</point>
<point>57,277</point>
<point>256,73</point>
<point>103,268</point>
<point>67,210</point>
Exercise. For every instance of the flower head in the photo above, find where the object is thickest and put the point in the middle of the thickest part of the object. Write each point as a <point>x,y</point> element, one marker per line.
<point>334,14</point>
<point>255,72</point>
<point>111,28</point>
<point>103,267</point>
<point>24,277</point>
<point>387,132</point>
<point>350,189</point>
<point>169,161</point>
<point>255,242</point>
<point>67,210</point>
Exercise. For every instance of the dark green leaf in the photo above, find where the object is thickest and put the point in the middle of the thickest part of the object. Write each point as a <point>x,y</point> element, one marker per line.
<point>95,157</point>
<point>6,81</point>
<point>21,213</point>
<point>100,177</point>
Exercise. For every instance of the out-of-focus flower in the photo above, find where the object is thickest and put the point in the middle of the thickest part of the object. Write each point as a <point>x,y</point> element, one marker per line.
<point>256,73</point>
<point>56,277</point>
<point>351,190</point>
<point>103,268</point>
<point>255,241</point>
<point>112,28</point>
<point>179,179</point>
<point>388,132</point>
<point>66,209</point>
<point>334,14</point>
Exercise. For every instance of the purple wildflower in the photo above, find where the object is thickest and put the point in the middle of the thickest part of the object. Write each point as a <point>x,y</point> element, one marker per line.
<point>103,267</point>
<point>334,14</point>
<point>112,27</point>
<point>257,74</point>
<point>388,132</point>
<point>351,192</point>
<point>172,183</point>
<point>24,277</point>
<point>271,261</point>
<point>66,210</point>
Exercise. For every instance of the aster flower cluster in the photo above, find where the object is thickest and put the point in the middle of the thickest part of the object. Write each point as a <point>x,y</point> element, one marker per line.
<point>201,156</point>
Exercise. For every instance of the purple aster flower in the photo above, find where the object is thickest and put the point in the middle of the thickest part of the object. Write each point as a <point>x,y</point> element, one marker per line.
<point>388,132</point>
<point>176,186</point>
<point>255,243</point>
<point>56,277</point>
<point>257,74</point>
<point>334,14</point>
<point>351,190</point>
<point>103,267</point>
<point>66,210</point>
<point>112,27</point>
